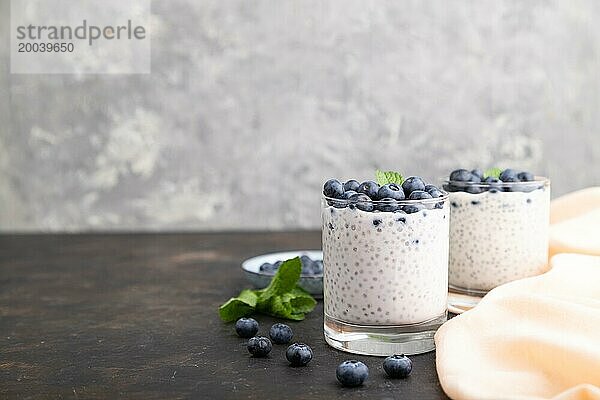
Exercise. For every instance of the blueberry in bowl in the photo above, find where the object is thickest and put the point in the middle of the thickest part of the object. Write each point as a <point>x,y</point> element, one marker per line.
<point>259,270</point>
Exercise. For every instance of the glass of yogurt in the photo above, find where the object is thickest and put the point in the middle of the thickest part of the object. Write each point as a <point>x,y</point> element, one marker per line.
<point>385,256</point>
<point>498,231</point>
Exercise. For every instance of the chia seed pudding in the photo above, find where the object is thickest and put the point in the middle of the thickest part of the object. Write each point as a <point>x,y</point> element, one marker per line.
<point>385,265</point>
<point>498,232</point>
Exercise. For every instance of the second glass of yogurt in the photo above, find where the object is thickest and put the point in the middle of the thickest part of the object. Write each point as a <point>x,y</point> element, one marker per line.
<point>385,266</point>
<point>498,231</point>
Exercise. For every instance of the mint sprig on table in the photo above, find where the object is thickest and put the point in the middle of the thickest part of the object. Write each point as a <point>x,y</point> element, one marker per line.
<point>282,298</point>
<point>492,172</point>
<point>385,177</point>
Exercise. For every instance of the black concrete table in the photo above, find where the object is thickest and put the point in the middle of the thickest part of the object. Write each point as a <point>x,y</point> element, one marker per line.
<point>134,316</point>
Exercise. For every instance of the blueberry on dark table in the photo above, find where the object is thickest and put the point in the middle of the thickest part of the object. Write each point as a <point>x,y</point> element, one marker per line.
<point>259,346</point>
<point>419,195</point>
<point>281,333</point>
<point>333,188</point>
<point>369,188</point>
<point>397,366</point>
<point>462,175</point>
<point>246,327</point>
<point>390,190</point>
<point>352,373</point>
<point>299,354</point>
<point>351,185</point>
<point>411,184</point>
<point>361,201</point>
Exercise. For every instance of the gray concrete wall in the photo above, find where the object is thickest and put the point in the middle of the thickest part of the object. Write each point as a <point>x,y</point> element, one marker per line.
<point>251,105</point>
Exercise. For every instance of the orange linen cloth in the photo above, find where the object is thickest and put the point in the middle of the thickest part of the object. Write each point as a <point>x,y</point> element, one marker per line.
<point>535,338</point>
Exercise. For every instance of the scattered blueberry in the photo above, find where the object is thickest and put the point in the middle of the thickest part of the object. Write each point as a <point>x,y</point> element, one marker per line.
<point>246,327</point>
<point>351,185</point>
<point>333,188</point>
<point>411,184</point>
<point>392,191</point>
<point>281,333</point>
<point>525,176</point>
<point>361,201</point>
<point>259,346</point>
<point>491,179</point>
<point>299,354</point>
<point>387,205</point>
<point>369,188</point>
<point>352,373</point>
<point>419,195</point>
<point>413,208</point>
<point>397,366</point>
<point>376,222</point>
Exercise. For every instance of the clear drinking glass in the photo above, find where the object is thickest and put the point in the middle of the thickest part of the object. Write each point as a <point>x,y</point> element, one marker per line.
<point>498,233</point>
<point>385,274</point>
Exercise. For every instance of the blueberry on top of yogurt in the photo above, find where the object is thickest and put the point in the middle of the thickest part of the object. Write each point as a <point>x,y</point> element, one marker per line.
<point>492,180</point>
<point>407,195</point>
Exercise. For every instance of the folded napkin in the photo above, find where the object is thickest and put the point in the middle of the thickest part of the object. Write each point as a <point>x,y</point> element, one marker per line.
<point>536,338</point>
<point>575,223</point>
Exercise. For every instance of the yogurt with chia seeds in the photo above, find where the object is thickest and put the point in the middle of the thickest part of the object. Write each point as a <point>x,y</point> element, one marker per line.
<point>385,268</point>
<point>497,236</point>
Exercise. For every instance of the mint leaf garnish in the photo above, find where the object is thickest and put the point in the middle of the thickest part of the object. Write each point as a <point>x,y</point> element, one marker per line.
<point>240,306</point>
<point>385,177</point>
<point>282,298</point>
<point>492,172</point>
<point>284,280</point>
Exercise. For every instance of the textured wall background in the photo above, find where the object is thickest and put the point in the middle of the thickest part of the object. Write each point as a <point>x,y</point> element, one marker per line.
<point>251,105</point>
